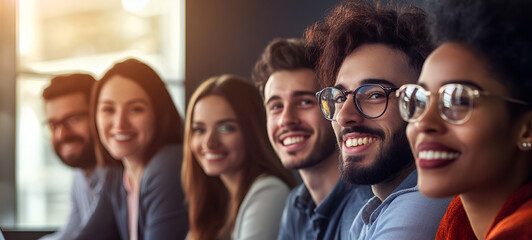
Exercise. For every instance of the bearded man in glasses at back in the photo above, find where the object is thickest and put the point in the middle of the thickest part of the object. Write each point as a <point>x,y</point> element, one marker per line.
<point>368,52</point>
<point>66,102</point>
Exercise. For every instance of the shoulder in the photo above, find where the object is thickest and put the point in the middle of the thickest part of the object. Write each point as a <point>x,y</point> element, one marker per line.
<point>168,156</point>
<point>265,191</point>
<point>268,185</point>
<point>515,226</point>
<point>408,202</point>
<point>161,178</point>
<point>408,215</point>
<point>164,167</point>
<point>260,212</point>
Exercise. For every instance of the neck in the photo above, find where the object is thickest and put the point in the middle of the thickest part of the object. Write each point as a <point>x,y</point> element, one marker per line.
<point>481,211</point>
<point>134,168</point>
<point>321,178</point>
<point>384,189</point>
<point>483,203</point>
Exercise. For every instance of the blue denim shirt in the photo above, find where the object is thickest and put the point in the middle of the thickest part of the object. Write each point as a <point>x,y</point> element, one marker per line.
<point>405,214</point>
<point>330,220</point>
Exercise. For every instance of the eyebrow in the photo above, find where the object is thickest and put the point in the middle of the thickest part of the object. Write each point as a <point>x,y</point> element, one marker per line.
<point>75,113</point>
<point>458,81</point>
<point>370,81</point>
<point>133,101</point>
<point>222,121</point>
<point>294,94</point>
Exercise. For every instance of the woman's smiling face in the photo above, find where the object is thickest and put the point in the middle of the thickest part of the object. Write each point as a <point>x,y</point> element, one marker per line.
<point>480,153</point>
<point>217,140</point>
<point>125,118</point>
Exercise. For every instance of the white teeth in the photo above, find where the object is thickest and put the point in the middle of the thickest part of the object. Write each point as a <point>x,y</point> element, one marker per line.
<point>430,154</point>
<point>213,156</point>
<point>353,142</point>
<point>122,137</point>
<point>292,140</point>
<point>67,147</point>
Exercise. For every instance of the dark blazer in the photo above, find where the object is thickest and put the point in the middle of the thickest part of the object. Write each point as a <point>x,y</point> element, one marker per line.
<point>162,212</point>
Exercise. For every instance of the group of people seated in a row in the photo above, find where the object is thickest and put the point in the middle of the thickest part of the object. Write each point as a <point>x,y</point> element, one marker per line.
<point>401,124</point>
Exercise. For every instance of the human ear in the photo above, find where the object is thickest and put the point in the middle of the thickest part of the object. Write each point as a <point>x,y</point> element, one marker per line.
<point>524,142</point>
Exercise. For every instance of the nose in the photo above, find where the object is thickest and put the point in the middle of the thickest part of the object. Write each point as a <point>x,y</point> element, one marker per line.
<point>61,131</point>
<point>289,117</point>
<point>348,114</point>
<point>431,122</point>
<point>211,141</point>
<point>120,119</point>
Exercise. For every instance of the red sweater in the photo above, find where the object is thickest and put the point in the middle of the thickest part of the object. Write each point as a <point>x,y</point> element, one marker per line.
<point>513,221</point>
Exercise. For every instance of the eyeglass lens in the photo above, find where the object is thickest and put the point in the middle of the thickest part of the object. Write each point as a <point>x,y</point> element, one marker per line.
<point>455,102</point>
<point>370,101</point>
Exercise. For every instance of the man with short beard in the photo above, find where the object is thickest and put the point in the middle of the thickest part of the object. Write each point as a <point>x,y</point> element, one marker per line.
<point>66,102</point>
<point>368,51</point>
<point>324,206</point>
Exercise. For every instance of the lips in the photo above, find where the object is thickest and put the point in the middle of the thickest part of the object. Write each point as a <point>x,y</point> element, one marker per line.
<point>292,140</point>
<point>213,156</point>
<point>354,142</point>
<point>435,155</point>
<point>69,148</point>
<point>357,143</point>
<point>122,137</point>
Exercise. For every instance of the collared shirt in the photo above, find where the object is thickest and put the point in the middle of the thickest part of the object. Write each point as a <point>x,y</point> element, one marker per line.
<point>84,197</point>
<point>330,220</point>
<point>405,214</point>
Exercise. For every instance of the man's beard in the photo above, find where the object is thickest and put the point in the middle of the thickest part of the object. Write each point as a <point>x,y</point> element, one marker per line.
<point>322,150</point>
<point>389,162</point>
<point>86,159</point>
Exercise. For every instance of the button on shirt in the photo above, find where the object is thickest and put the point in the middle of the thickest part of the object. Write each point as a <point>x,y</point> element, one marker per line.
<point>405,214</point>
<point>330,220</point>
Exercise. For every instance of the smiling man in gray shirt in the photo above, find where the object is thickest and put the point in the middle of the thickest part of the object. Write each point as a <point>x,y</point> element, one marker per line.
<point>66,102</point>
<point>369,51</point>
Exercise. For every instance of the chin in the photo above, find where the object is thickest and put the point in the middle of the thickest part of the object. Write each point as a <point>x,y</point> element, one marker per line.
<point>433,191</point>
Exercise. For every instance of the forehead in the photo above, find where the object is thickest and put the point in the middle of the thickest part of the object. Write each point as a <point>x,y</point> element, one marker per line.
<point>119,88</point>
<point>375,61</point>
<point>61,106</point>
<point>286,83</point>
<point>454,61</point>
<point>212,108</point>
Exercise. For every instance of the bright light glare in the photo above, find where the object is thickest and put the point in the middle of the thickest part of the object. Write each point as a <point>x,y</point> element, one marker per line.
<point>134,5</point>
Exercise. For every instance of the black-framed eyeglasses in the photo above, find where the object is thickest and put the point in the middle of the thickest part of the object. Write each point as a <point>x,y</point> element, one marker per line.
<point>455,102</point>
<point>371,100</point>
<point>68,121</point>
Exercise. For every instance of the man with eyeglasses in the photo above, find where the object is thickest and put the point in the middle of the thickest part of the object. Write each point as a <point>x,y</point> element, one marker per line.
<point>66,102</point>
<point>368,52</point>
<point>323,207</point>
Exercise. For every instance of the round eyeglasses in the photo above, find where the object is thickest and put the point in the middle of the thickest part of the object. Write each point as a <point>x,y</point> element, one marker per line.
<point>455,102</point>
<point>371,100</point>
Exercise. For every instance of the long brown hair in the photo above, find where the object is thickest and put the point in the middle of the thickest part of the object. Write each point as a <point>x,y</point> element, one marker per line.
<point>212,211</point>
<point>168,123</point>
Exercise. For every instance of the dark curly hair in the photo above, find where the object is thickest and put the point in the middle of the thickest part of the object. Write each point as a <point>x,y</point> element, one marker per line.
<point>497,31</point>
<point>283,54</point>
<point>353,23</point>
